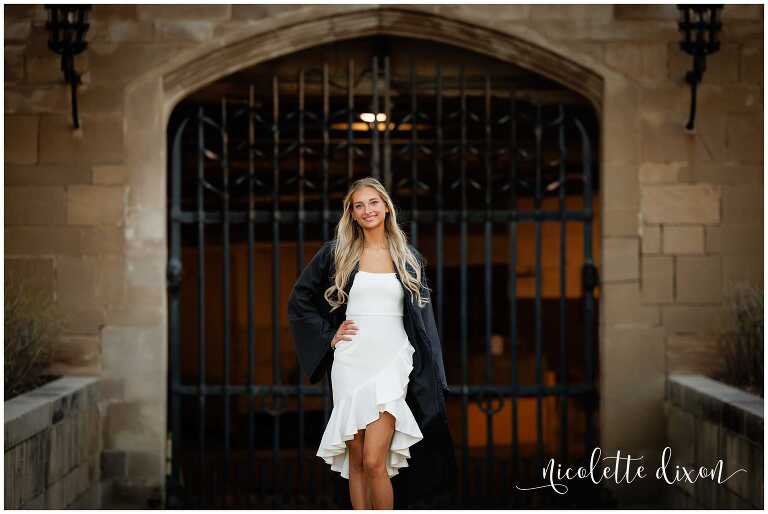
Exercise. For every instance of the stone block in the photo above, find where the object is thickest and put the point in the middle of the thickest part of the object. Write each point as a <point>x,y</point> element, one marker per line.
<point>742,203</point>
<point>25,469</point>
<point>110,279</point>
<point>712,239</point>
<point>195,31</point>
<point>96,205</point>
<point>99,139</point>
<point>733,12</point>
<point>742,268</point>
<point>683,203</point>
<point>627,57</point>
<point>625,146</point>
<point>572,12</point>
<point>683,239</point>
<point>77,355</point>
<point>146,224</point>
<point>621,259</point>
<point>699,319</point>
<point>40,241</point>
<point>690,353</point>
<point>145,271</point>
<point>657,282</point>
<point>65,491</point>
<point>645,12</point>
<point>133,353</point>
<point>64,444</point>
<point>81,319</point>
<point>623,307</point>
<point>123,31</point>
<point>41,205</point>
<point>37,99</point>
<point>114,464</point>
<point>13,66</point>
<point>730,99</point>
<point>110,175</point>
<point>620,188</point>
<point>757,488</point>
<point>76,281</point>
<point>36,274</point>
<point>46,175</point>
<point>662,141</point>
<point>113,12</point>
<point>737,239</point>
<point>654,59</point>
<point>751,64</point>
<point>650,238</point>
<point>618,223</point>
<point>100,99</point>
<point>134,426</point>
<point>144,306</point>
<point>738,453</point>
<point>680,428</point>
<point>16,30</point>
<point>213,12</point>
<point>103,240</point>
<point>46,69</point>
<point>745,138</point>
<point>21,136</point>
<point>661,172</point>
<point>637,357</point>
<point>251,12</point>
<point>116,64</point>
<point>144,464</point>
<point>698,279</point>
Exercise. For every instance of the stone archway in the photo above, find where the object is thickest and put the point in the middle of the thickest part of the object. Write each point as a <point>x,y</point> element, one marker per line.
<point>150,99</point>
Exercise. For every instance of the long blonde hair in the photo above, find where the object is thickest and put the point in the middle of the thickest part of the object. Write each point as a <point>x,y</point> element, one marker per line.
<point>349,248</point>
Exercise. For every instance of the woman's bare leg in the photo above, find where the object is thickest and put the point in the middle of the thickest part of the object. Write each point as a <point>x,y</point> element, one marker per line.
<point>378,439</point>
<point>358,492</point>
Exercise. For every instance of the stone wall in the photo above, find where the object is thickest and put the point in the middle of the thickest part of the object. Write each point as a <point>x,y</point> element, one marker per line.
<point>707,421</point>
<point>682,213</point>
<point>52,444</point>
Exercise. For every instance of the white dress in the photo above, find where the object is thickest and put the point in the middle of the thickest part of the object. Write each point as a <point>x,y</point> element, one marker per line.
<point>370,373</point>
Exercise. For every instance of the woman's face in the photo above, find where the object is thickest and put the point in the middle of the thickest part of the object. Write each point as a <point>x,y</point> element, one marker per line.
<point>368,208</point>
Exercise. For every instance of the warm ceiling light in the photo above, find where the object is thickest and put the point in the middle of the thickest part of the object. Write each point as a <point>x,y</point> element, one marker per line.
<point>369,117</point>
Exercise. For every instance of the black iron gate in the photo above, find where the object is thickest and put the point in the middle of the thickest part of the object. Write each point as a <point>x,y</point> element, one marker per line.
<point>458,153</point>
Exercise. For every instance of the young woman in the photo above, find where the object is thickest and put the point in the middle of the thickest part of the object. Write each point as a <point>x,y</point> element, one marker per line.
<point>361,307</point>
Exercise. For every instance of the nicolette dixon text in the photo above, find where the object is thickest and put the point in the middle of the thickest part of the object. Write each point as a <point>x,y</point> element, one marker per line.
<point>627,469</point>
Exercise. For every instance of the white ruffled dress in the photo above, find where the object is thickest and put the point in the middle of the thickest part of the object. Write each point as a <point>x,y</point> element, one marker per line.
<point>370,373</point>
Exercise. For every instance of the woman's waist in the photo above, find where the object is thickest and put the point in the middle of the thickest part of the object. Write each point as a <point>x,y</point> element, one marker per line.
<point>366,314</point>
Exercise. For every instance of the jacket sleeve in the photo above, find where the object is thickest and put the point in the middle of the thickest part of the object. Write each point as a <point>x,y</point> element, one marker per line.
<point>308,316</point>
<point>428,316</point>
<point>434,339</point>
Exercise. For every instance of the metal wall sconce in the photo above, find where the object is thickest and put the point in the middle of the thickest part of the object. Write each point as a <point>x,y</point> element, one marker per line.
<point>67,25</point>
<point>700,40</point>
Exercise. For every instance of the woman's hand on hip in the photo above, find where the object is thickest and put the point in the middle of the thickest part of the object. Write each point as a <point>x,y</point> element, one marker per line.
<point>347,329</point>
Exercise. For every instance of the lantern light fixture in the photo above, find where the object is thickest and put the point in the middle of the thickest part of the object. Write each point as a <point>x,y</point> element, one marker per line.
<point>67,25</point>
<point>700,25</point>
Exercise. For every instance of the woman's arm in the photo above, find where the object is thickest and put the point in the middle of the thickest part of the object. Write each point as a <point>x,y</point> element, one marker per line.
<point>310,322</point>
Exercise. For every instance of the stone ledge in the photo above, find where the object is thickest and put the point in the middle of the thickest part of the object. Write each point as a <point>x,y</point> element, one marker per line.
<point>52,443</point>
<point>725,405</point>
<point>32,412</point>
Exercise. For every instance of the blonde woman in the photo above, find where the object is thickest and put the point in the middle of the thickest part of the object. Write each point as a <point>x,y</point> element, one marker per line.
<point>360,313</point>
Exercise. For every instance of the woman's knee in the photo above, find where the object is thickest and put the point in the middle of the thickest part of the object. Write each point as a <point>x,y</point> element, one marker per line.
<point>374,464</point>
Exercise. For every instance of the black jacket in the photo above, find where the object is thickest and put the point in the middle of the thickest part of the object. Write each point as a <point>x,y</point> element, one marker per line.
<point>431,469</point>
